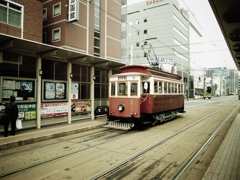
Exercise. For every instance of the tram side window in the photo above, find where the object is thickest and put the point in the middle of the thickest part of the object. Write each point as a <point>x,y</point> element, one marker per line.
<point>155,86</point>
<point>146,86</point>
<point>179,88</point>
<point>165,87</point>
<point>113,89</point>
<point>160,87</point>
<point>175,88</point>
<point>169,88</point>
<point>134,89</point>
<point>122,89</point>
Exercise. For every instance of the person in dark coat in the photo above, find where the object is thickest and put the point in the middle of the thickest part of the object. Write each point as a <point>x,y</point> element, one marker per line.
<point>11,110</point>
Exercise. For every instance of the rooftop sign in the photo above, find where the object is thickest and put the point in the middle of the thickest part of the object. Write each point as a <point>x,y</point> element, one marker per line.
<point>153,1</point>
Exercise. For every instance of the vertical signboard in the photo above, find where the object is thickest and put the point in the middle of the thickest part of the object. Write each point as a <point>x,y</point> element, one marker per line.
<point>73,10</point>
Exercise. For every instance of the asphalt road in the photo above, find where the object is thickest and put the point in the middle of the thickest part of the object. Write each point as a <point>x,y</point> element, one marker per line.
<point>88,154</point>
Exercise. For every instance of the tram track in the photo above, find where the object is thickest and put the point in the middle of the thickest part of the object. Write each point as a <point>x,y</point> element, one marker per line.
<point>102,144</point>
<point>116,170</point>
<point>102,137</point>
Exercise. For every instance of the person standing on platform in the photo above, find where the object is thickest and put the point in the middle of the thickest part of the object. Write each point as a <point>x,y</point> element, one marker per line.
<point>11,110</point>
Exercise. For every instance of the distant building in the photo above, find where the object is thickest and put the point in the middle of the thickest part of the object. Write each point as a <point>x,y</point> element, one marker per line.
<point>160,31</point>
<point>196,58</point>
<point>223,81</point>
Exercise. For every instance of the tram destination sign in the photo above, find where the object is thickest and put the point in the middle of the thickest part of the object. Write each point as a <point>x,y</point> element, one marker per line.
<point>122,78</point>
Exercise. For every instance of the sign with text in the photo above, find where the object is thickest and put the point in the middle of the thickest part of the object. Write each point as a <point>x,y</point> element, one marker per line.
<point>162,60</point>
<point>81,107</point>
<point>50,110</point>
<point>26,111</point>
<point>122,78</point>
<point>73,10</point>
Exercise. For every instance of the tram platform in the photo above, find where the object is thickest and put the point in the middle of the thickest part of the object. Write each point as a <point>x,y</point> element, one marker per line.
<point>28,136</point>
<point>226,163</point>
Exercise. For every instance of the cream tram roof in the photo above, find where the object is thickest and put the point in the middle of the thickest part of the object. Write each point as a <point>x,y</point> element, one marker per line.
<point>145,71</point>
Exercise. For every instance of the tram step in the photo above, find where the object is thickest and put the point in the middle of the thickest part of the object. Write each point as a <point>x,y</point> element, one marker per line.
<point>119,125</point>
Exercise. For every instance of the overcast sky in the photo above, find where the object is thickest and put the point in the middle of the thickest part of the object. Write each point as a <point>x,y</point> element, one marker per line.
<point>216,53</point>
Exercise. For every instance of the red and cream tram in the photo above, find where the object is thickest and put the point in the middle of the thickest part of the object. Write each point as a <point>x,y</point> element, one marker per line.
<point>141,94</point>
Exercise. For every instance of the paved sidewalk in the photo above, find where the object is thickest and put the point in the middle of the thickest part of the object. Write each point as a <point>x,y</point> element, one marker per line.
<point>29,136</point>
<point>226,163</point>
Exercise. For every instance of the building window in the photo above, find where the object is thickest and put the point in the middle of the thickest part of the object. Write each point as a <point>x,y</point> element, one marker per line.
<point>57,9</point>
<point>44,37</point>
<point>145,31</point>
<point>56,34</point>
<point>145,20</point>
<point>180,44</point>
<point>180,33</point>
<point>180,22</point>
<point>10,13</point>
<point>137,44</point>
<point>101,84</point>
<point>97,24</point>
<point>96,43</point>
<point>44,14</point>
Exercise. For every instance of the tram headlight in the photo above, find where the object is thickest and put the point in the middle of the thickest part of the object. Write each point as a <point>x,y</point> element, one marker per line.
<point>121,107</point>
<point>135,114</point>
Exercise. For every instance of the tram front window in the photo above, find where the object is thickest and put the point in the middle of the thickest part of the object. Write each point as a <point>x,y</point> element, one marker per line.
<point>122,89</point>
<point>113,89</point>
<point>133,89</point>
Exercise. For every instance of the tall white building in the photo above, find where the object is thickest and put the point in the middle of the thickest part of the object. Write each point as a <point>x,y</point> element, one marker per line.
<point>197,69</point>
<point>159,31</point>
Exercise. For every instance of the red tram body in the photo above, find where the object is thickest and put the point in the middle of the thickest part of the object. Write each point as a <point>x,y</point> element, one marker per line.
<point>141,94</point>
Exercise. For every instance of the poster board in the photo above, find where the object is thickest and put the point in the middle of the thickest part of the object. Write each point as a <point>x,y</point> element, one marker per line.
<point>23,89</point>
<point>54,91</point>
<point>80,107</point>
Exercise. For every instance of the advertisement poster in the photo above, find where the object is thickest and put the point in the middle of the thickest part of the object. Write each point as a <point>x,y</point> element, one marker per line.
<point>50,91</point>
<point>26,86</point>
<point>8,84</point>
<point>60,91</point>
<point>49,110</point>
<point>27,111</point>
<point>74,93</point>
<point>81,107</point>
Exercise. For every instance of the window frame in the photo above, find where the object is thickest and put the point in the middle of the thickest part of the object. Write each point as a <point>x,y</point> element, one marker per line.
<point>135,94</point>
<point>59,30</point>
<point>44,18</point>
<point>53,10</point>
<point>21,11</point>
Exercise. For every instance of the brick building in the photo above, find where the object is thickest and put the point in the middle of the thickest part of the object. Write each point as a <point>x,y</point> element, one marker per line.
<point>55,56</point>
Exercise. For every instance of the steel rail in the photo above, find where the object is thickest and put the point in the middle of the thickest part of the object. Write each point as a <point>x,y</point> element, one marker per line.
<point>214,134</point>
<point>153,146</point>
<point>59,157</point>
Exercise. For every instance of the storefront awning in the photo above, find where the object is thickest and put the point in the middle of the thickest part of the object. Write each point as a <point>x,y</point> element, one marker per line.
<point>45,51</point>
